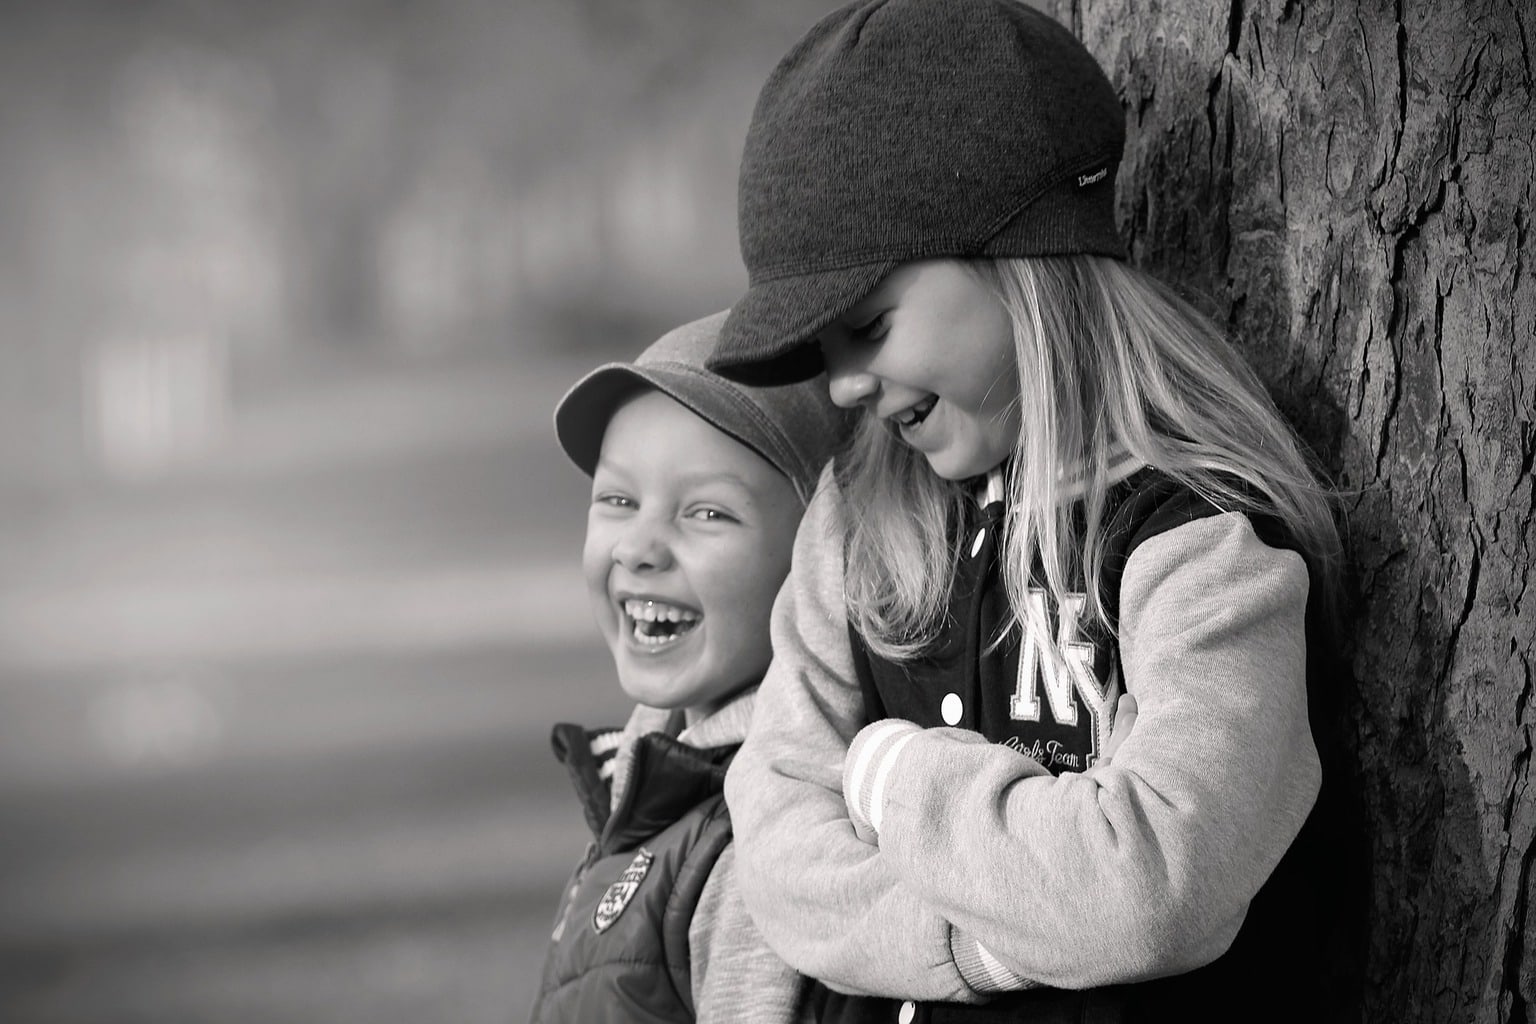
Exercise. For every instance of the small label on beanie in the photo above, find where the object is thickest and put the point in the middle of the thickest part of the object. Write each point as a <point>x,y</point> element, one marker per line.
<point>1084,180</point>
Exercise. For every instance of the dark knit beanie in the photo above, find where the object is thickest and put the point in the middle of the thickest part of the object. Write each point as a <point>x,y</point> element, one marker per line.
<point>901,130</point>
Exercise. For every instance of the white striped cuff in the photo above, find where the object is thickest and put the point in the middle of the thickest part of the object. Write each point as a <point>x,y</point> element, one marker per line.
<point>867,766</point>
<point>982,971</point>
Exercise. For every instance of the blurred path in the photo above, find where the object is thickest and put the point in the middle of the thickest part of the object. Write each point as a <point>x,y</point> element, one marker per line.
<point>273,735</point>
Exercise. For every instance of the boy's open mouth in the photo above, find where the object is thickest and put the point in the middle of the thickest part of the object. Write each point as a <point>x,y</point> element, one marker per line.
<point>657,623</point>
<point>912,416</point>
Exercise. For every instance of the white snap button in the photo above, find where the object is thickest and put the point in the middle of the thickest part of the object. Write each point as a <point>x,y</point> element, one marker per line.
<point>981,535</point>
<point>908,1011</point>
<point>952,708</point>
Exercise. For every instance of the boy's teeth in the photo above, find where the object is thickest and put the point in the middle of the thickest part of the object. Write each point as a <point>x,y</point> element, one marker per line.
<point>657,611</point>
<point>656,623</point>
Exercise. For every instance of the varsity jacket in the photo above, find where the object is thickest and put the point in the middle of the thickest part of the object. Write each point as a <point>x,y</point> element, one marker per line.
<point>651,926</point>
<point>1005,857</point>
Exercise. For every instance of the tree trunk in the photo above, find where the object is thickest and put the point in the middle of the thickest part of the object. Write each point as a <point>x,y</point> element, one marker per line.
<point>1351,186</point>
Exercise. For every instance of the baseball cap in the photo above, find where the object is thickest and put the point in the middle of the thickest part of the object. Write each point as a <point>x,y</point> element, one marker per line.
<point>794,426</point>
<point>903,130</point>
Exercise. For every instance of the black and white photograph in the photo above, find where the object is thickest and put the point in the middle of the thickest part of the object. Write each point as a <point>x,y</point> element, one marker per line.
<point>746,512</point>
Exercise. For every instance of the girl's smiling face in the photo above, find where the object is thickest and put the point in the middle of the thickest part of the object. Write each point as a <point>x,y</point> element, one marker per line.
<point>930,352</point>
<point>688,539</point>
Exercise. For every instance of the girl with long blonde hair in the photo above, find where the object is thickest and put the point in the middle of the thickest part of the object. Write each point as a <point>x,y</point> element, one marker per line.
<point>1066,488</point>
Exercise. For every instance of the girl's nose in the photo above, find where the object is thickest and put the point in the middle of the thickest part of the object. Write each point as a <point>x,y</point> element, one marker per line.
<point>642,547</point>
<point>850,388</point>
<point>849,381</point>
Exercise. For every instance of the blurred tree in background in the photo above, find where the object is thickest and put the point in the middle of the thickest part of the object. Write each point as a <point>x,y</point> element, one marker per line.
<point>194,191</point>
<point>290,589</point>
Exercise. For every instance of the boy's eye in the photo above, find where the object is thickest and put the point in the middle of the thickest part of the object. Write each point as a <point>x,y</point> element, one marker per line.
<point>712,515</point>
<point>614,500</point>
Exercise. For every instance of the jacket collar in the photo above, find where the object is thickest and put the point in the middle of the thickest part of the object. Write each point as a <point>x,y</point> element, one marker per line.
<point>660,771</point>
<point>727,725</point>
<point>993,488</point>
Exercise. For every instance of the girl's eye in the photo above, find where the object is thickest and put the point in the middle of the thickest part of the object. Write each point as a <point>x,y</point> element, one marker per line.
<point>614,501</point>
<point>872,329</point>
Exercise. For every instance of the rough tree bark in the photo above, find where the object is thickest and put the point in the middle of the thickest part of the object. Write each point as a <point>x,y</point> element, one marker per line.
<point>1350,184</point>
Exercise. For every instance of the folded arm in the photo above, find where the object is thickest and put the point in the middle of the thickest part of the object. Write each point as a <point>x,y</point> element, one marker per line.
<point>1145,866</point>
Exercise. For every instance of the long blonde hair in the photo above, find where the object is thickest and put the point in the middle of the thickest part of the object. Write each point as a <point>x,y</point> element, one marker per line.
<point>1111,364</point>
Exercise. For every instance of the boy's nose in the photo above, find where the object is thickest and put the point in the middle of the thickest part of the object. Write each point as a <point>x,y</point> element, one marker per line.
<point>642,548</point>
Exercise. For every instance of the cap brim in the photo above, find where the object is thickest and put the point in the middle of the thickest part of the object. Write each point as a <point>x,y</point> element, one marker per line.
<point>582,415</point>
<point>769,337</point>
<point>581,418</point>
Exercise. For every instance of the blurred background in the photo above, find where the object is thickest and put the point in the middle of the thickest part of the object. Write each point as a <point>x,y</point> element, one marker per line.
<point>289,579</point>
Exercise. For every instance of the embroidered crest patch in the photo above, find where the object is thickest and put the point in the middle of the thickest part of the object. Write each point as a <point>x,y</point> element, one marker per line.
<point>621,892</point>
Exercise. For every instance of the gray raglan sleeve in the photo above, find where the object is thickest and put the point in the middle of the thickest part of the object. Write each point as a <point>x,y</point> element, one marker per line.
<point>736,978</point>
<point>1144,867</point>
<point>826,901</point>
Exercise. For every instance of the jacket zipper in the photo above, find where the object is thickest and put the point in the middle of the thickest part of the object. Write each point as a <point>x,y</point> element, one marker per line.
<point>571,890</point>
